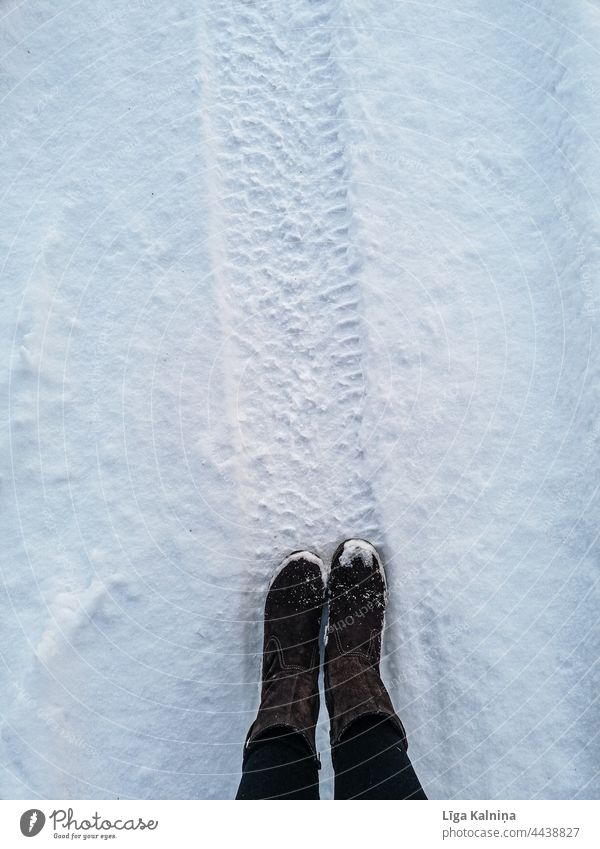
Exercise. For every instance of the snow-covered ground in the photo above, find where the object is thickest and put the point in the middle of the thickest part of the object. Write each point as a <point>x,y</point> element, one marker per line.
<point>274,274</point>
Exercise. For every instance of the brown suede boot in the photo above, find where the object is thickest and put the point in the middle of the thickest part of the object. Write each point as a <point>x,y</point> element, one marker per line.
<point>357,596</point>
<point>290,672</point>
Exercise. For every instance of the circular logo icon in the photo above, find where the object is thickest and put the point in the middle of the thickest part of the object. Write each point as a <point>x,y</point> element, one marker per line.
<point>32,822</point>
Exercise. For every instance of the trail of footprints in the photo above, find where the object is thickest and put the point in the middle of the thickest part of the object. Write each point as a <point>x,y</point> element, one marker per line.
<point>289,273</point>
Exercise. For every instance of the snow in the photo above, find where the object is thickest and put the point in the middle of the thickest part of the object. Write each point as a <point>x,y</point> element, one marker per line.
<point>274,275</point>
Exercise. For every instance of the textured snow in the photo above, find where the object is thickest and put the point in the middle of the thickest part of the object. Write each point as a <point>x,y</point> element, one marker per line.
<point>274,275</point>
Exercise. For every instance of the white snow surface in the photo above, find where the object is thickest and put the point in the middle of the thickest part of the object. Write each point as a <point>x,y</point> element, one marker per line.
<point>273,275</point>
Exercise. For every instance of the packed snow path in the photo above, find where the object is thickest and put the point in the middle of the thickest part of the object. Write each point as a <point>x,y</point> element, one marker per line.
<point>287,275</point>
<point>273,275</point>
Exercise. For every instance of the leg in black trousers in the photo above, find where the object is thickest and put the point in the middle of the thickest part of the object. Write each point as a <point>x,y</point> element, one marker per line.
<point>279,766</point>
<point>370,762</point>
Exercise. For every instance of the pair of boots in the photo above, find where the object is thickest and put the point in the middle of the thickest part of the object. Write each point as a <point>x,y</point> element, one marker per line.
<point>355,590</point>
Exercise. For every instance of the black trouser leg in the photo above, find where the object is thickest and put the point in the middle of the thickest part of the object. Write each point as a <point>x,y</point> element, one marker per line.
<point>370,762</point>
<point>279,766</point>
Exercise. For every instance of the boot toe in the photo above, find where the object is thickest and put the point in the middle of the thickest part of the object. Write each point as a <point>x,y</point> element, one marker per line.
<point>356,552</point>
<point>296,568</point>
